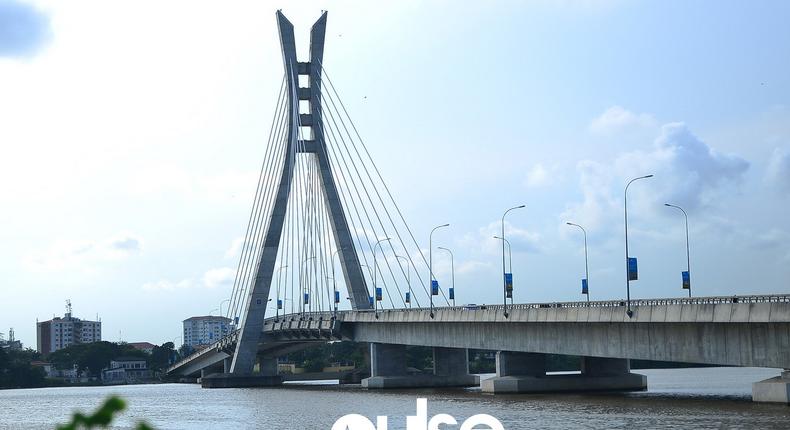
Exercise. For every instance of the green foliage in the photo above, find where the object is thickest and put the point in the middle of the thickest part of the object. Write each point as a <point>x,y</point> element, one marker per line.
<point>102,418</point>
<point>16,371</point>
<point>92,356</point>
<point>184,351</point>
<point>314,359</point>
<point>162,356</point>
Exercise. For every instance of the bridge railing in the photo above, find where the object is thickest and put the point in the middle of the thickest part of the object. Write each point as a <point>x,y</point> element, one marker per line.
<point>229,338</point>
<point>772,298</point>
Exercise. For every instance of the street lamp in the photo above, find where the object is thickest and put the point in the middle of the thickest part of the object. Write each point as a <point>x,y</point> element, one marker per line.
<point>504,274</point>
<point>430,264</point>
<point>627,259</point>
<point>279,303</point>
<point>212,311</point>
<point>452,271</point>
<point>305,295</point>
<point>375,275</point>
<point>586,282</point>
<point>220,305</point>
<point>408,277</point>
<point>509,252</point>
<point>686,276</point>
<point>335,297</point>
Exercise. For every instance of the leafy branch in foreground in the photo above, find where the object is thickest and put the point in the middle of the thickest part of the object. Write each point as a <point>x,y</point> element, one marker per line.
<point>101,418</point>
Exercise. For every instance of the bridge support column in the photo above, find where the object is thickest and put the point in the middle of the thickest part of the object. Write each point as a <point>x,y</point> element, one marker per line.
<point>519,372</point>
<point>773,390</point>
<point>265,377</point>
<point>388,369</point>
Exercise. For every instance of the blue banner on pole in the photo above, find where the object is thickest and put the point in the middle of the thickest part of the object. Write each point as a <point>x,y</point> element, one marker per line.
<point>434,287</point>
<point>509,281</point>
<point>279,304</point>
<point>371,300</point>
<point>686,280</point>
<point>452,293</point>
<point>306,298</point>
<point>408,297</point>
<point>633,273</point>
<point>378,294</point>
<point>584,286</point>
<point>337,296</point>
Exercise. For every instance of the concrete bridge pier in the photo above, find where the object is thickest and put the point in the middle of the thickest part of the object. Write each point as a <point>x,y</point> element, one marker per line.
<point>522,372</point>
<point>265,377</point>
<point>388,368</point>
<point>773,390</point>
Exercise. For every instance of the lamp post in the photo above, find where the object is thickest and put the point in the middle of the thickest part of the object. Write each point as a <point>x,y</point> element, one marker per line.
<point>452,271</point>
<point>586,267</point>
<point>430,262</point>
<point>509,252</point>
<point>212,311</point>
<point>375,273</point>
<point>220,305</point>
<point>688,257</point>
<point>504,280</point>
<point>408,276</point>
<point>300,278</point>
<point>279,273</point>
<point>334,282</point>
<point>627,271</point>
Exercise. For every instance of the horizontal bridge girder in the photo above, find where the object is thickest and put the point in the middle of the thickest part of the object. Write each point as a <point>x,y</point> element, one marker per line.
<point>303,68</point>
<point>305,119</point>
<point>303,93</point>
<point>307,146</point>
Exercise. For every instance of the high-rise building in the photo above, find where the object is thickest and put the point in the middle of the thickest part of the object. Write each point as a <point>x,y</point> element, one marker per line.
<point>205,330</point>
<point>59,333</point>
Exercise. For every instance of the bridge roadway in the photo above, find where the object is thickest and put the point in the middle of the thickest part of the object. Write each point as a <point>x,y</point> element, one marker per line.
<point>749,331</point>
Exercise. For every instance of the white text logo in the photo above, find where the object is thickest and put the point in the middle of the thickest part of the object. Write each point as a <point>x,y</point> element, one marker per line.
<point>419,421</point>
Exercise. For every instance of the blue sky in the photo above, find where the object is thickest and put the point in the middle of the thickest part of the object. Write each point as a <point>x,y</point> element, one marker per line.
<point>132,134</point>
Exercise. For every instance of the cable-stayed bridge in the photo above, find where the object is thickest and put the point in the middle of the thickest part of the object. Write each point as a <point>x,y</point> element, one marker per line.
<point>322,204</point>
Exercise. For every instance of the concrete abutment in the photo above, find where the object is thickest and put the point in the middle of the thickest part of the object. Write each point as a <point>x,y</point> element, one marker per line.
<point>521,372</point>
<point>388,369</point>
<point>773,390</point>
<point>266,377</point>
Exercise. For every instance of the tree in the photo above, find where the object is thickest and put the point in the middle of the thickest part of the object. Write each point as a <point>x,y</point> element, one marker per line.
<point>162,356</point>
<point>92,357</point>
<point>16,371</point>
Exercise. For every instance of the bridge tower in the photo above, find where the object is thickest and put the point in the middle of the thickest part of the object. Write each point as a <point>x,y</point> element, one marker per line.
<point>311,124</point>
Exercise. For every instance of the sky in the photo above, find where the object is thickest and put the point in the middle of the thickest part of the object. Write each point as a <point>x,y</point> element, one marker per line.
<point>131,136</point>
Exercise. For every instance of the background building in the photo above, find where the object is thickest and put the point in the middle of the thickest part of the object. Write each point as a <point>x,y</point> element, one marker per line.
<point>59,333</point>
<point>205,330</point>
<point>11,343</point>
<point>146,347</point>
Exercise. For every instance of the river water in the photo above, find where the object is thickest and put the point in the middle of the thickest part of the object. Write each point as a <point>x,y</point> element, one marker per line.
<point>706,398</point>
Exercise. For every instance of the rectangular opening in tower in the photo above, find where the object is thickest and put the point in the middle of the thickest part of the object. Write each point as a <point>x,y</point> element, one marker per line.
<point>304,106</point>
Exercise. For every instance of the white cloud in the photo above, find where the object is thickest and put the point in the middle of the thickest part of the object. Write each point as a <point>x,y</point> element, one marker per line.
<point>616,118</point>
<point>688,171</point>
<point>235,248</point>
<point>220,277</point>
<point>537,176</point>
<point>473,266</point>
<point>778,173</point>
<point>83,255</point>
<point>164,285</point>
<point>521,240</point>
<point>598,207</point>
